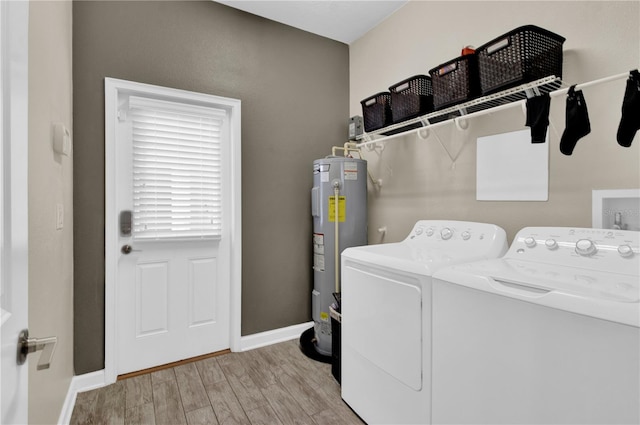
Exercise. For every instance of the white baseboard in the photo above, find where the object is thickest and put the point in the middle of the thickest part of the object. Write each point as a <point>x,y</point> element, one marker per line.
<point>274,336</point>
<point>79,384</point>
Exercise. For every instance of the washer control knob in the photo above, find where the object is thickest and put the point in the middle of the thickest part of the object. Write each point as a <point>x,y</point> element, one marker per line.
<point>446,233</point>
<point>430,231</point>
<point>625,251</point>
<point>530,242</point>
<point>466,235</point>
<point>419,231</point>
<point>551,244</point>
<point>586,247</point>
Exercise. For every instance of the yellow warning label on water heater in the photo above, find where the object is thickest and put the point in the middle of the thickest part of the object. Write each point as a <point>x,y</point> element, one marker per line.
<point>324,316</point>
<point>342,210</point>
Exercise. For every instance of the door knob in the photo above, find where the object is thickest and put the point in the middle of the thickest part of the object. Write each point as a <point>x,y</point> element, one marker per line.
<point>127,249</point>
<point>28,345</point>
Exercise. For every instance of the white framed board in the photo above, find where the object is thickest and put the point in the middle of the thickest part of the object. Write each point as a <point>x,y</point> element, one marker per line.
<point>511,168</point>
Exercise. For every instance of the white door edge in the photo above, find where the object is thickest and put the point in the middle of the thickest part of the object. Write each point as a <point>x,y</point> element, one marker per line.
<point>112,88</point>
<point>14,227</point>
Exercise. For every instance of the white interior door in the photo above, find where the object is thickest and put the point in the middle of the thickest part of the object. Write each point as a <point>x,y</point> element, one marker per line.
<point>14,18</point>
<point>172,189</point>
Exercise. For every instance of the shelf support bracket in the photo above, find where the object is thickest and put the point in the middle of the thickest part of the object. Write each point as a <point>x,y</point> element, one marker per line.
<point>461,122</point>
<point>424,132</point>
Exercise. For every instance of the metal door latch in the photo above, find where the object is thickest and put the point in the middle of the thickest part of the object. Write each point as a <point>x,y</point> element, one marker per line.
<point>28,345</point>
<point>128,249</point>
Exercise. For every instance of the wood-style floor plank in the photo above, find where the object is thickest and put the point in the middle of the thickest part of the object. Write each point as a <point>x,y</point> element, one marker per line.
<point>258,369</point>
<point>247,392</point>
<point>210,371</point>
<point>137,391</point>
<point>263,415</point>
<point>83,411</point>
<point>226,405</point>
<point>274,385</point>
<point>167,403</point>
<point>162,375</point>
<point>285,406</point>
<point>191,388</point>
<point>143,414</point>
<point>110,405</point>
<point>306,396</point>
<point>202,416</point>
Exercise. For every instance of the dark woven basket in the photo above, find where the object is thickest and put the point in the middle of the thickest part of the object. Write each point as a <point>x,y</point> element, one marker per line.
<point>411,98</point>
<point>376,111</point>
<point>455,81</point>
<point>520,56</point>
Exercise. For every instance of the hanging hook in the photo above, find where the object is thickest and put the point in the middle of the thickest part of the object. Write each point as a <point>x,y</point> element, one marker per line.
<point>423,133</point>
<point>461,123</point>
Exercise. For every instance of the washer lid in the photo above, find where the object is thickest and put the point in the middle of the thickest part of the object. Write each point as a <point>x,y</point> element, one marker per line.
<point>605,295</point>
<point>409,258</point>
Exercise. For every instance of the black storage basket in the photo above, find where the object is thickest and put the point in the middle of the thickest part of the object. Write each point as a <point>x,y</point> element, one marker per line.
<point>520,56</point>
<point>455,81</point>
<point>411,98</point>
<point>376,111</point>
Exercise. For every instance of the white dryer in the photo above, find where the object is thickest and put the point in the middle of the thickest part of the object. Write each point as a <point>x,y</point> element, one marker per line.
<point>549,334</point>
<point>386,316</point>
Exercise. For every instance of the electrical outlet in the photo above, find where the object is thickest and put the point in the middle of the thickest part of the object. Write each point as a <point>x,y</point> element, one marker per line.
<point>59,216</point>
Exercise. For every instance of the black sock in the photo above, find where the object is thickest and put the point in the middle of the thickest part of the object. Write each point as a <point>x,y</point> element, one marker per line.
<point>630,121</point>
<point>577,121</point>
<point>538,117</point>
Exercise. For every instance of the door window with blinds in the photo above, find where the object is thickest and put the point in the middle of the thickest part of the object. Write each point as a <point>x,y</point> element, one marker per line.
<point>177,188</point>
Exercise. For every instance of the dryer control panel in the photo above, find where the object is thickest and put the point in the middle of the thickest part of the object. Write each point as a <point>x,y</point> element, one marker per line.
<point>445,230</point>
<point>460,238</point>
<point>596,249</point>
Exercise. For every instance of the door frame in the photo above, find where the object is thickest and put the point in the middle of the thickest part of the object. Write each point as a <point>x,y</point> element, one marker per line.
<point>112,88</point>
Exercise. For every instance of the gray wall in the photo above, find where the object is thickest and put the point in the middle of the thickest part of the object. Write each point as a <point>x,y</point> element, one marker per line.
<point>294,88</point>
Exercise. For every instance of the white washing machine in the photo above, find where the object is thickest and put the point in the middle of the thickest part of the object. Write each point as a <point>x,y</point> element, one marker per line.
<point>386,316</point>
<point>549,334</point>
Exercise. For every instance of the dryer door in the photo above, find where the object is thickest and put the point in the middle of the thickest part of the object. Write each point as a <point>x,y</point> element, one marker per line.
<point>382,321</point>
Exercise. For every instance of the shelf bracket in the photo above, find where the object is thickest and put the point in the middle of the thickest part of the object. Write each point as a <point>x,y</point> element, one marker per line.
<point>461,122</point>
<point>424,132</point>
<point>532,92</point>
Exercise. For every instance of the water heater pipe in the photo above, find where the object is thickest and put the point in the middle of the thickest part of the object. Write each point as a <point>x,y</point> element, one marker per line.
<point>353,147</point>
<point>348,147</point>
<point>336,192</point>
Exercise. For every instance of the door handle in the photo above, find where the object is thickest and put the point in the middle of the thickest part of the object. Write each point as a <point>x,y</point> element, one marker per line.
<point>28,345</point>
<point>127,249</point>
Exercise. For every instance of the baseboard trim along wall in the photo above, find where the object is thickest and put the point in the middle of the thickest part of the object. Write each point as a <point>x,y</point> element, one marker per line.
<point>274,336</point>
<point>93,380</point>
<point>79,384</point>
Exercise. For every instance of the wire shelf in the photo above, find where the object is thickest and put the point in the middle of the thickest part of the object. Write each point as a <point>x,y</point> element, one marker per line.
<point>491,101</point>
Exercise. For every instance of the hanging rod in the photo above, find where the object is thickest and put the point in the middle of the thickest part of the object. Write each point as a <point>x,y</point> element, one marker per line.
<point>549,85</point>
<point>590,83</point>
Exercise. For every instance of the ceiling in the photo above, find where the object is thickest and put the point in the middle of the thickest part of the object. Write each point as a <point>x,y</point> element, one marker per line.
<point>341,20</point>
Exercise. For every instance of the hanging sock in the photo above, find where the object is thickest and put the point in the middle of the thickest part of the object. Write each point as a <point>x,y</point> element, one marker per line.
<point>630,122</point>
<point>577,121</point>
<point>538,117</point>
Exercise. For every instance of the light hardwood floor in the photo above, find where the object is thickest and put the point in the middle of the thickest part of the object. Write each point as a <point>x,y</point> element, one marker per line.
<point>267,386</point>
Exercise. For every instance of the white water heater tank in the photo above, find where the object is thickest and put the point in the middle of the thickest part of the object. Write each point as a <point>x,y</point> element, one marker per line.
<point>347,177</point>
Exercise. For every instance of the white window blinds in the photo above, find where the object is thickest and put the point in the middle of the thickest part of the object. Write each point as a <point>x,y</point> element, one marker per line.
<point>176,170</point>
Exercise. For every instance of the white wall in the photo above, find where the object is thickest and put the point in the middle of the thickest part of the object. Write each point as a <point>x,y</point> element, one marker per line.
<point>50,183</point>
<point>420,180</point>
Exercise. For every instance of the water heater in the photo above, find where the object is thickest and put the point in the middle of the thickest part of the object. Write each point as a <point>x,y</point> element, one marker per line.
<point>339,210</point>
